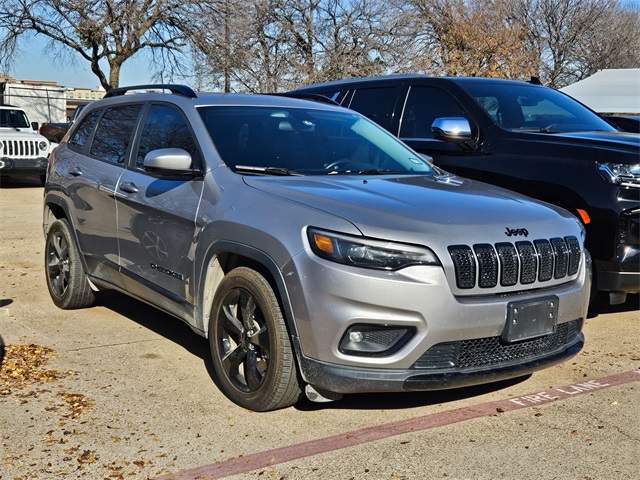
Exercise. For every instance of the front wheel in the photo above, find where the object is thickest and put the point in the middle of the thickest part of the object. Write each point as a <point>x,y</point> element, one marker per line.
<point>66,278</point>
<point>252,355</point>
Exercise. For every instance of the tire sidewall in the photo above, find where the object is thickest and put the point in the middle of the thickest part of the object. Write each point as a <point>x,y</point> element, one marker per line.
<point>77,294</point>
<point>264,397</point>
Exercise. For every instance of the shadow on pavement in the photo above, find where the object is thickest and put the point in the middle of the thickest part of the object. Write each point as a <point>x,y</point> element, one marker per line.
<point>601,305</point>
<point>178,332</point>
<point>20,182</point>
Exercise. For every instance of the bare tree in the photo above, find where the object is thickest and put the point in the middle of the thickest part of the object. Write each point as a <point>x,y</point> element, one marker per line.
<point>467,37</point>
<point>103,30</point>
<point>274,45</point>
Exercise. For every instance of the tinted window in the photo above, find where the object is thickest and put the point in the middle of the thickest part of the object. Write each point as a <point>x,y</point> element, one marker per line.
<point>114,133</point>
<point>85,129</point>
<point>534,108</point>
<point>164,127</point>
<point>375,103</point>
<point>423,106</point>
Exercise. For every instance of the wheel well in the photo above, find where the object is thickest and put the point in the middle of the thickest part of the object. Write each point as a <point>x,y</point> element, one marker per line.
<point>222,263</point>
<point>52,213</point>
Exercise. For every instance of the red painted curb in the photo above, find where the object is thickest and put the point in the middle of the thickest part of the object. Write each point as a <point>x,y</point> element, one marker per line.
<point>276,456</point>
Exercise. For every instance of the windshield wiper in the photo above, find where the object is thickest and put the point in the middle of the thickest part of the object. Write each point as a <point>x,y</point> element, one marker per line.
<point>370,171</point>
<point>277,171</point>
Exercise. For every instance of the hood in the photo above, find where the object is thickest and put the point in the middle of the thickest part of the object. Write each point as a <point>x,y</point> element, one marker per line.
<point>611,140</point>
<point>7,133</point>
<point>420,209</point>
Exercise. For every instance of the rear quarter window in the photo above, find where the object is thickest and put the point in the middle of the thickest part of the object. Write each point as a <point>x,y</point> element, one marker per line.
<point>85,129</point>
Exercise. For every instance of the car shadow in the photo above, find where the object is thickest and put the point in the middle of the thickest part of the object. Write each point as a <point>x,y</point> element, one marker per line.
<point>179,332</point>
<point>600,305</point>
<point>20,182</point>
<point>158,322</point>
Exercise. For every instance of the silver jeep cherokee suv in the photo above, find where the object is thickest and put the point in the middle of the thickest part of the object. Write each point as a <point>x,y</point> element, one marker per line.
<point>315,251</point>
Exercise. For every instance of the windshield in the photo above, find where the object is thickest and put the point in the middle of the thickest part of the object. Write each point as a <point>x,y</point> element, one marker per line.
<point>535,109</point>
<point>288,141</point>
<point>13,119</point>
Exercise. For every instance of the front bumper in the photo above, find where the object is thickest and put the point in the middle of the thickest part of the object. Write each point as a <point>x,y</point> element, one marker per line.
<point>343,379</point>
<point>23,166</point>
<point>328,299</point>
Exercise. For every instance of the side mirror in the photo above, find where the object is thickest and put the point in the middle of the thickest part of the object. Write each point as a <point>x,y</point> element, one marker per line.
<point>35,126</point>
<point>455,130</point>
<point>171,161</point>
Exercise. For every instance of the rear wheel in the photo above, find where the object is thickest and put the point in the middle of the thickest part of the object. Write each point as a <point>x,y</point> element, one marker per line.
<point>250,346</point>
<point>66,278</point>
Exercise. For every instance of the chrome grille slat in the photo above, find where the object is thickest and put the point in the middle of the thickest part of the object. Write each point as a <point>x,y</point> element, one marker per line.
<point>484,265</point>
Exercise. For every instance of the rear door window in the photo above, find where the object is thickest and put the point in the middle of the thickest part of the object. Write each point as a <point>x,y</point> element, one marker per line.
<point>377,104</point>
<point>113,135</point>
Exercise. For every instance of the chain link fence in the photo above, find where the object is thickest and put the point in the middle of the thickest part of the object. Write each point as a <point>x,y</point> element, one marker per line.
<point>41,103</point>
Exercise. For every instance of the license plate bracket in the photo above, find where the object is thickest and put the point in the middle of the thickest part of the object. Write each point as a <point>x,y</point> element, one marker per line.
<point>530,319</point>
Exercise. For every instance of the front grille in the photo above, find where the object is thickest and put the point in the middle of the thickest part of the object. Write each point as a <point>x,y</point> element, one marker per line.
<point>491,351</point>
<point>21,149</point>
<point>525,262</point>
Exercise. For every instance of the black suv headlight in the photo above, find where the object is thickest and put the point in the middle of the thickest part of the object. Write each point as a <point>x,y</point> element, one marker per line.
<point>367,252</point>
<point>620,174</point>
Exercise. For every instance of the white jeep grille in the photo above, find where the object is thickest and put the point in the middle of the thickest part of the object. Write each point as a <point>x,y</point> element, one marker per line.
<point>21,149</point>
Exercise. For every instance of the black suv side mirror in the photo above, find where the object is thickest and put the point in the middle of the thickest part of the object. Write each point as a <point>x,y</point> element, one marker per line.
<point>455,130</point>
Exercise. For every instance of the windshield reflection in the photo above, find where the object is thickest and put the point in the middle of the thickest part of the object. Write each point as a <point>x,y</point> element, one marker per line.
<point>293,141</point>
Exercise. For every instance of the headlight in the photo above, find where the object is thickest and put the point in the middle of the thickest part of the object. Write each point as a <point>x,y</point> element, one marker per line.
<point>620,174</point>
<point>368,253</point>
<point>42,145</point>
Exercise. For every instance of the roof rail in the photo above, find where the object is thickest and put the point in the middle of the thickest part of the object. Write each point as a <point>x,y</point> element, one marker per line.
<point>174,89</point>
<point>306,96</point>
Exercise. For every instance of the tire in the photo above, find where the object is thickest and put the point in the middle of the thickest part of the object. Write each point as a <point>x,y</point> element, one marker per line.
<point>250,347</point>
<point>66,279</point>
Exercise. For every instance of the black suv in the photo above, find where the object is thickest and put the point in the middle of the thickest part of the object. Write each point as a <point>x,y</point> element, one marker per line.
<point>525,137</point>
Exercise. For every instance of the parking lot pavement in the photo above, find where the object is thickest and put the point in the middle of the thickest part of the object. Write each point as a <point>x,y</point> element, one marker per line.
<point>123,391</point>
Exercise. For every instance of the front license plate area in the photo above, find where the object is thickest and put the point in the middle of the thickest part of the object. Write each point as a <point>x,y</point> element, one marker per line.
<point>529,319</point>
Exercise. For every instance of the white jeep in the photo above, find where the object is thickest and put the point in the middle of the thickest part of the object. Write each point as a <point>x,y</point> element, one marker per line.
<point>23,151</point>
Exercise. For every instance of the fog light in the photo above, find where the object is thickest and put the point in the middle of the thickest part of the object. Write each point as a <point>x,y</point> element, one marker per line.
<point>356,337</point>
<point>374,340</point>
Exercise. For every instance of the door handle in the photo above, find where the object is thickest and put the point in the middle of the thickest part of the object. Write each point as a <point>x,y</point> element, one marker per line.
<point>75,171</point>
<point>129,187</point>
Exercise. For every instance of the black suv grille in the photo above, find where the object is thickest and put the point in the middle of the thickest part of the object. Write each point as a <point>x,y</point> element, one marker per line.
<point>491,351</point>
<point>525,262</point>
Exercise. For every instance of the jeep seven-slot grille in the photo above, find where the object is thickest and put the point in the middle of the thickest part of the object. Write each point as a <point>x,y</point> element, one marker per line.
<point>525,262</point>
<point>20,149</point>
<point>491,351</point>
